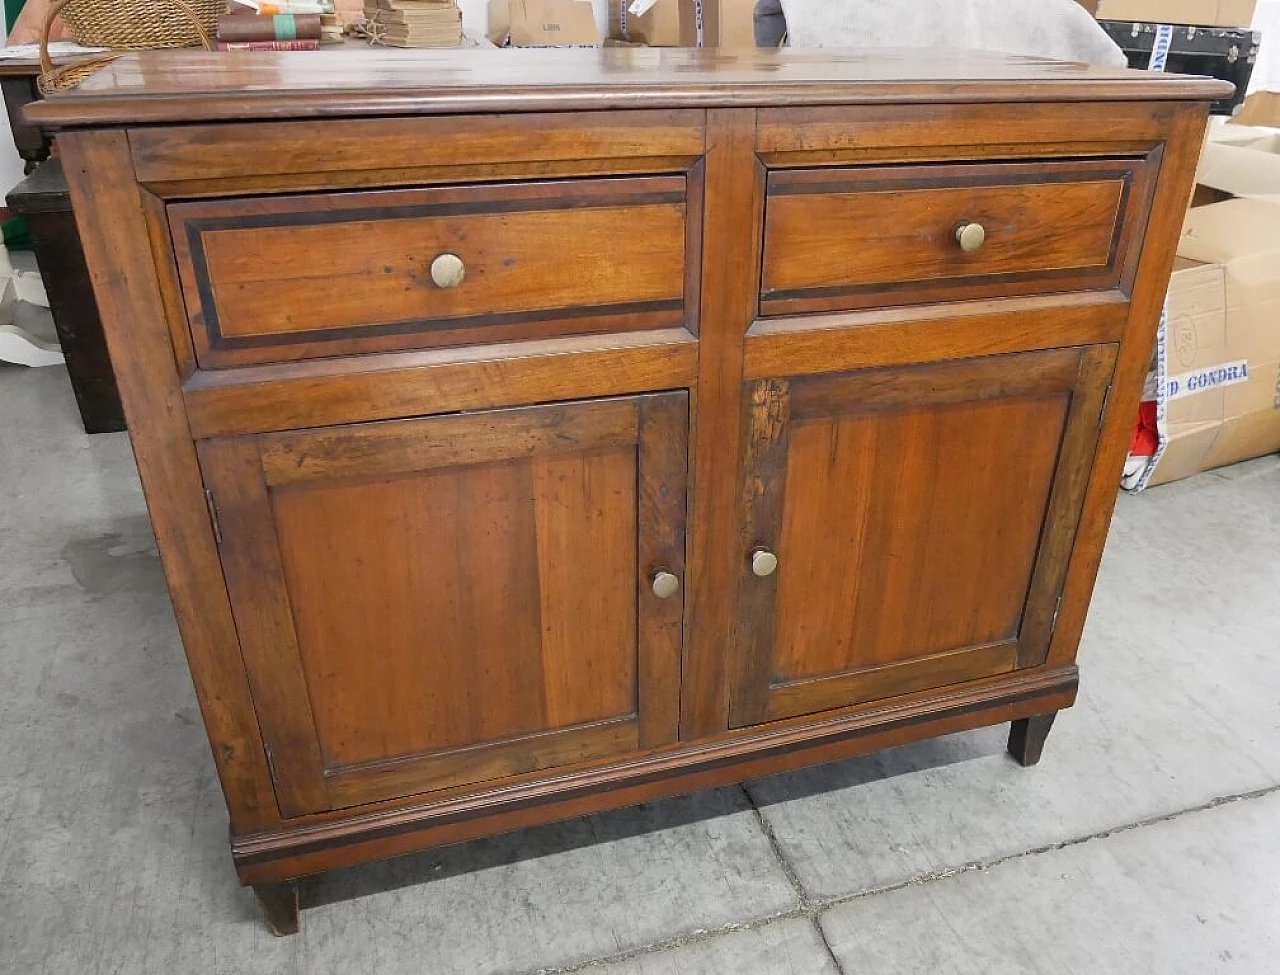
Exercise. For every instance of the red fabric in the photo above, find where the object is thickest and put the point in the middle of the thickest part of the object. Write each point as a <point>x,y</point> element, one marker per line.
<point>1146,437</point>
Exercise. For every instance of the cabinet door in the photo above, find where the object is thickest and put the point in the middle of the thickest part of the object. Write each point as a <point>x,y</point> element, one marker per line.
<point>433,603</point>
<point>921,519</point>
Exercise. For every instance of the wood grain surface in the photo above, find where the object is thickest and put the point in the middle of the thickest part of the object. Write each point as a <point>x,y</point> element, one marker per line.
<point>841,238</point>
<point>355,389</point>
<point>388,152</point>
<point>283,278</point>
<point>912,511</point>
<point>357,836</point>
<point>945,131</point>
<point>807,344</point>
<point>181,86</point>
<point>110,216</point>
<point>733,217</point>
<point>425,603</point>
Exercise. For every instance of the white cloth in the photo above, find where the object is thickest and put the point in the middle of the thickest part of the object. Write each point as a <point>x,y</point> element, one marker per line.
<point>1059,29</point>
<point>57,49</point>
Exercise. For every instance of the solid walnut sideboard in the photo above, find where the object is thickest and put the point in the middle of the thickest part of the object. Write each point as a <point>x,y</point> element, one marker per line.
<point>530,433</point>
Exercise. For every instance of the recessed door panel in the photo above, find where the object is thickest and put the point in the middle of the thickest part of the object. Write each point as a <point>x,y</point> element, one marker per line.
<point>903,527</point>
<point>430,603</point>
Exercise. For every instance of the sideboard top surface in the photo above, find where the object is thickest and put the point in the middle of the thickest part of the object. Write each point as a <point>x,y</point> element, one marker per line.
<point>192,86</point>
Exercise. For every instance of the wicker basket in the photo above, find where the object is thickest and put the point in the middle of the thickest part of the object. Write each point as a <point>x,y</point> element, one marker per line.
<point>125,25</point>
<point>142,24</point>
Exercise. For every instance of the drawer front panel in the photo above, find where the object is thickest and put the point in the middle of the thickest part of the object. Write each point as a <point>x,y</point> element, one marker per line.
<point>851,238</point>
<point>272,279</point>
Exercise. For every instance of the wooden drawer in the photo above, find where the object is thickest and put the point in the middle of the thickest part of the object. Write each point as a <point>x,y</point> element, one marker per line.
<point>270,279</point>
<point>854,237</point>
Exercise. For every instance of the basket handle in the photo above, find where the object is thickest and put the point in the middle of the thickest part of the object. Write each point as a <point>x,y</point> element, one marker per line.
<point>46,62</point>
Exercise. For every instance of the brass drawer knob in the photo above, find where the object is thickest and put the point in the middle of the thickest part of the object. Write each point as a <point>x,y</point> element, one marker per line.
<point>971,237</point>
<point>665,584</point>
<point>764,563</point>
<point>447,271</point>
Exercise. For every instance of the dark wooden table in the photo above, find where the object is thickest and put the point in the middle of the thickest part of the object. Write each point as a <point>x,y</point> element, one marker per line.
<point>43,199</point>
<point>19,82</point>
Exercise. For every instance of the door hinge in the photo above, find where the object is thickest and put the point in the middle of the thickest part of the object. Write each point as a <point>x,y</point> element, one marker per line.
<point>1057,608</point>
<point>213,516</point>
<point>1106,406</point>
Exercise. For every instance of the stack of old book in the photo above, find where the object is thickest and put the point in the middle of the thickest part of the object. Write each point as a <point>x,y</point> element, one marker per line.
<point>414,23</point>
<point>277,25</point>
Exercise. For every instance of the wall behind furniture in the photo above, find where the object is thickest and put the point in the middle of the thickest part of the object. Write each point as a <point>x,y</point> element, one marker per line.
<point>10,163</point>
<point>1266,75</point>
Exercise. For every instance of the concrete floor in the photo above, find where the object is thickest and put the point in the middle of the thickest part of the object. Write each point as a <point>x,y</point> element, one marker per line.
<point>1148,840</point>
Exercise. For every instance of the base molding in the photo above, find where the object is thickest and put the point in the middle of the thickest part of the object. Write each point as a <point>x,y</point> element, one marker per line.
<point>315,847</point>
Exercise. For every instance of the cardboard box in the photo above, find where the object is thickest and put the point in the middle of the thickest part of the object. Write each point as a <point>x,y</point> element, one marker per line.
<point>732,24</point>
<point>1201,13</point>
<point>660,23</point>
<point>543,23</point>
<point>499,30</point>
<point>1241,161</point>
<point>1260,108</point>
<point>1217,377</point>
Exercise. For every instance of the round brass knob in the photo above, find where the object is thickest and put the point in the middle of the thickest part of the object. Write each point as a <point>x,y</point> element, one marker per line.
<point>447,271</point>
<point>763,563</point>
<point>665,584</point>
<point>971,236</point>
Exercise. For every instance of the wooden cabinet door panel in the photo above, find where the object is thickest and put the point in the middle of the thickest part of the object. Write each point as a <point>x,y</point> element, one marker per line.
<point>922,518</point>
<point>437,602</point>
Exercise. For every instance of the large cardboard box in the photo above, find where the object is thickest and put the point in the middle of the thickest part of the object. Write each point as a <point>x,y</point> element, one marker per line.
<point>1217,376</point>
<point>543,23</point>
<point>1260,108</point>
<point>732,24</point>
<point>660,23</point>
<point>1241,161</point>
<point>1202,13</point>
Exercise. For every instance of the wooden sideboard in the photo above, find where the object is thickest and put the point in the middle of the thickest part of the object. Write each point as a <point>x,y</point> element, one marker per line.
<point>529,433</point>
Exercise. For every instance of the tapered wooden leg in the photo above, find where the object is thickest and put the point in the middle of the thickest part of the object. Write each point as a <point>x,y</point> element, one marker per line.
<point>280,904</point>
<point>1026,738</point>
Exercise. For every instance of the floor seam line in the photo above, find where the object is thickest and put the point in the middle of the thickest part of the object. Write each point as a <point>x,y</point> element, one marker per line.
<point>803,909</point>
<point>788,870</point>
<point>812,909</point>
<point>816,920</point>
<point>670,944</point>
<point>821,905</point>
